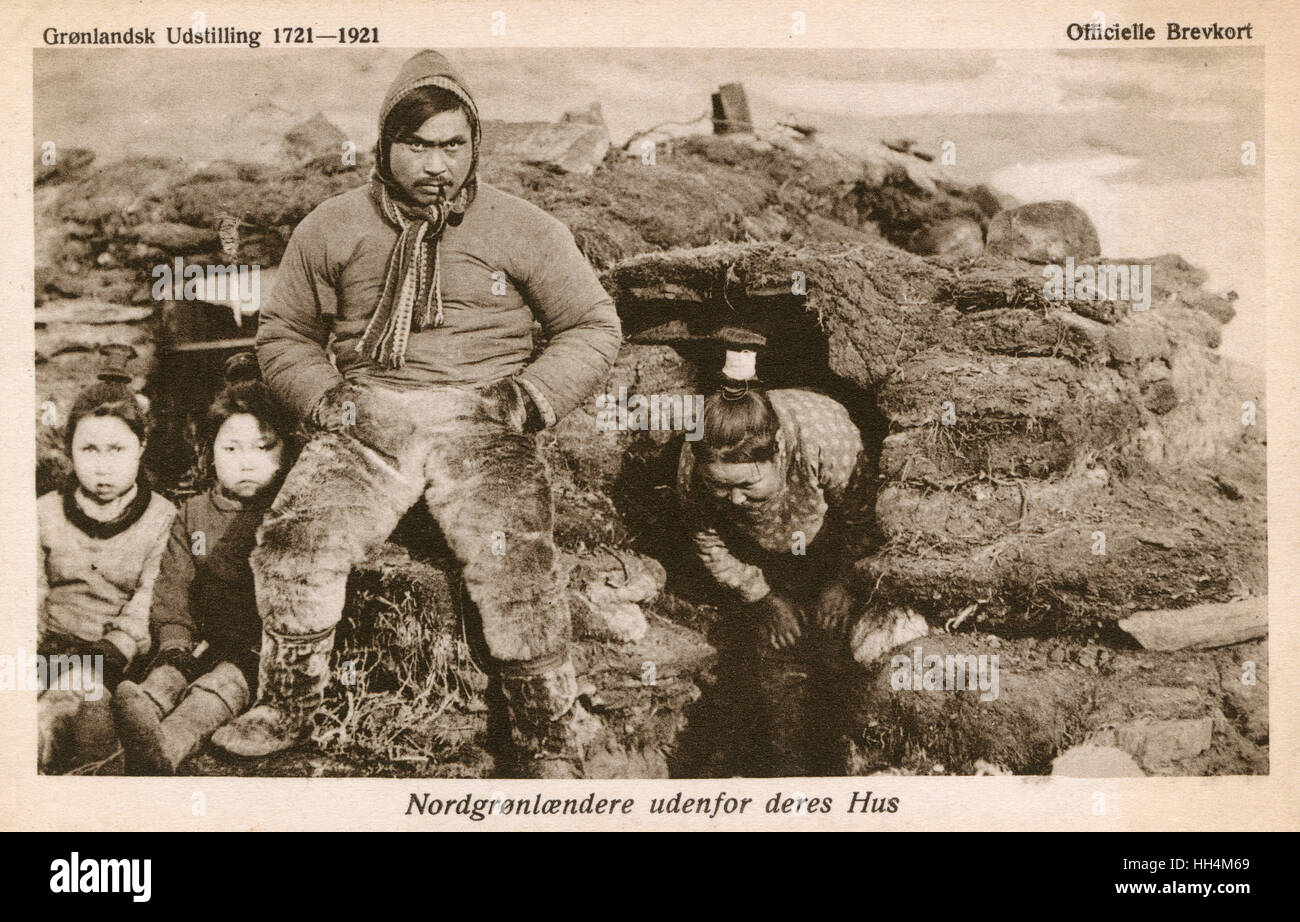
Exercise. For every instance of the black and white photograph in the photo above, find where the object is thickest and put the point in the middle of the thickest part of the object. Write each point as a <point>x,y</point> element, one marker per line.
<point>467,412</point>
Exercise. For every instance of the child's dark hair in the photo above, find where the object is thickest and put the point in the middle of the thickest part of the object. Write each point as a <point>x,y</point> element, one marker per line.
<point>244,392</point>
<point>108,398</point>
<point>739,427</point>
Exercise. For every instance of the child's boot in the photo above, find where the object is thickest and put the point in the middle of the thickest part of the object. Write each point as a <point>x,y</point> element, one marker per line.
<point>55,710</point>
<point>211,701</point>
<point>292,676</point>
<point>93,737</point>
<point>138,709</point>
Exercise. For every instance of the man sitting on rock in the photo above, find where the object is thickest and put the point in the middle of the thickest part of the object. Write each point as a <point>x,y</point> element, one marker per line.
<point>400,329</point>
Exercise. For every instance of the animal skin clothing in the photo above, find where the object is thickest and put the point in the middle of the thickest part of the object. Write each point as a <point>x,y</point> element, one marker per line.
<point>404,336</point>
<point>466,455</point>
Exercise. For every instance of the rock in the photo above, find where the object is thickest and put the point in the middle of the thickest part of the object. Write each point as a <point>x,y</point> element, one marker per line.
<point>1007,448</point>
<point>1019,726</point>
<point>1092,761</point>
<point>592,115</point>
<point>871,637</point>
<point>315,138</point>
<point>1043,232</point>
<point>1243,677</point>
<point>567,147</point>
<point>174,238</point>
<point>978,511</point>
<point>998,387</point>
<point>605,589</point>
<point>958,237</point>
<point>90,311</point>
<point>1229,489</point>
<point>56,339</point>
<point>1200,626</point>
<point>69,163</point>
<point>990,201</point>
<point>1160,397</point>
<point>1157,743</point>
<point>1138,339</point>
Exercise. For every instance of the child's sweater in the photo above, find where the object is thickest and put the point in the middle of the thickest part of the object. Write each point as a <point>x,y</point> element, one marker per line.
<point>96,579</point>
<point>825,507</point>
<point>205,587</point>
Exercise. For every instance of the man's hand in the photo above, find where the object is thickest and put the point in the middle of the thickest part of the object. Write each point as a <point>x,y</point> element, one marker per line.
<point>508,401</point>
<point>777,619</point>
<point>834,605</point>
<point>336,409</point>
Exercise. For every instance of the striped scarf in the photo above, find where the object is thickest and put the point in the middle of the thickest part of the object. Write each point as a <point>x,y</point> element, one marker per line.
<point>412,295</point>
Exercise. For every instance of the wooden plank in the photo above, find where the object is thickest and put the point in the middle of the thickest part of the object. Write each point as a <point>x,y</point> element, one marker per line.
<point>213,345</point>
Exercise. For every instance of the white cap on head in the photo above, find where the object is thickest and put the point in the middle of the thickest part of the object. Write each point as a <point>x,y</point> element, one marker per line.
<point>740,364</point>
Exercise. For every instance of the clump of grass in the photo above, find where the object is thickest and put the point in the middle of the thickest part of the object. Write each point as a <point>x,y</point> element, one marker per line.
<point>407,691</point>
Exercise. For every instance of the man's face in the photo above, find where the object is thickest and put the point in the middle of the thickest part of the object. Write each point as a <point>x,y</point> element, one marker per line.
<point>433,162</point>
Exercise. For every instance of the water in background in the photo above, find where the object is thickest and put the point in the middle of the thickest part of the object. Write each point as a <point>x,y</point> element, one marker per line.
<point>1147,141</point>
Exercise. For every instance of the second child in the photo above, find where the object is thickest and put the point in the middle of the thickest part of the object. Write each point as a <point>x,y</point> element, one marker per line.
<point>204,616</point>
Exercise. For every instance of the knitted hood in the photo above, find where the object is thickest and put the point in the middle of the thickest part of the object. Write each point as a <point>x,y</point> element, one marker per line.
<point>429,68</point>
<point>411,299</point>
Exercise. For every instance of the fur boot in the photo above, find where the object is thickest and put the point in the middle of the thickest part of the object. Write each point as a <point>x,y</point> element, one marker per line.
<point>211,701</point>
<point>292,676</point>
<point>75,728</point>
<point>55,711</point>
<point>549,727</point>
<point>138,709</point>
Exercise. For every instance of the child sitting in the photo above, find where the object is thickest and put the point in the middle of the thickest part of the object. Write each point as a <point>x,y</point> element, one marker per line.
<point>101,542</point>
<point>204,614</point>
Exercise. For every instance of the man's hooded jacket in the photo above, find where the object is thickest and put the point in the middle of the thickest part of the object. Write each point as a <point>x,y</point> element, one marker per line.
<point>501,262</point>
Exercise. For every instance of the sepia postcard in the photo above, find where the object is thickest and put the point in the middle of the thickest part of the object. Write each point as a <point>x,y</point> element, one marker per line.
<point>649,415</point>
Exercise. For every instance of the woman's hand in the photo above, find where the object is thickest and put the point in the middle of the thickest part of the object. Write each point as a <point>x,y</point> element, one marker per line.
<point>834,605</point>
<point>778,620</point>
